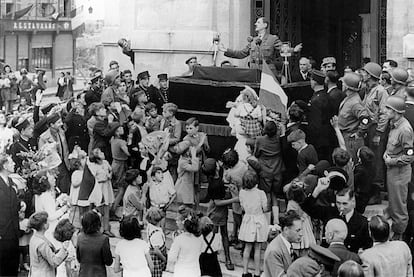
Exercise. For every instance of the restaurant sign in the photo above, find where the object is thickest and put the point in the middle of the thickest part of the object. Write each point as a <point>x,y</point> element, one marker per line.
<point>36,25</point>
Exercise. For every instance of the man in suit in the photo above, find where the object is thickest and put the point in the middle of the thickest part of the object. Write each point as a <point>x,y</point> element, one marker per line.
<point>9,220</point>
<point>320,132</point>
<point>279,253</point>
<point>262,48</point>
<point>335,234</point>
<point>357,224</point>
<point>304,71</point>
<point>25,143</point>
<point>335,94</point>
<point>55,134</point>
<point>385,258</point>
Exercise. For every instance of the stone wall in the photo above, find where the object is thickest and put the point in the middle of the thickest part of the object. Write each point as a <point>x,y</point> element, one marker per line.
<point>164,33</point>
<point>400,22</point>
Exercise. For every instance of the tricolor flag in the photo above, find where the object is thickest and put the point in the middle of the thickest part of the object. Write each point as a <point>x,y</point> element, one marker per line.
<point>14,15</point>
<point>271,94</point>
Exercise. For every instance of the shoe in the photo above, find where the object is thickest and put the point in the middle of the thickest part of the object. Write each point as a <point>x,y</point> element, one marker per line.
<point>229,265</point>
<point>109,234</point>
<point>238,246</point>
<point>247,275</point>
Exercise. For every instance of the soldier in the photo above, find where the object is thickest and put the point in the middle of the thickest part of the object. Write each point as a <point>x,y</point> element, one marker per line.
<point>374,103</point>
<point>399,78</point>
<point>263,47</point>
<point>353,118</point>
<point>328,63</point>
<point>398,158</point>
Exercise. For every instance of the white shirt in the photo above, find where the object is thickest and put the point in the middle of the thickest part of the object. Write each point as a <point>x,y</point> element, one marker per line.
<point>304,75</point>
<point>132,256</point>
<point>349,215</point>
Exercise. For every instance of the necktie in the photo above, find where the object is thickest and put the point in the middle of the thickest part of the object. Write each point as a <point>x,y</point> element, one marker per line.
<point>292,253</point>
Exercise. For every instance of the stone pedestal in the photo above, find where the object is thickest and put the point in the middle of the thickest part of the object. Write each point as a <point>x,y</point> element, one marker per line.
<point>164,33</point>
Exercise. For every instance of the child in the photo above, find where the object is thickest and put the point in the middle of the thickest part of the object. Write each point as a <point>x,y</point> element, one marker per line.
<point>254,227</point>
<point>43,258</point>
<point>173,127</point>
<point>198,140</point>
<point>159,193</point>
<point>153,121</point>
<point>234,170</point>
<point>24,237</point>
<point>120,154</point>
<point>138,99</point>
<point>183,258</point>
<point>306,152</point>
<point>156,240</point>
<point>187,165</point>
<point>65,231</point>
<point>296,195</point>
<point>209,264</point>
<point>218,207</point>
<point>132,252</point>
<point>133,205</point>
<point>77,160</point>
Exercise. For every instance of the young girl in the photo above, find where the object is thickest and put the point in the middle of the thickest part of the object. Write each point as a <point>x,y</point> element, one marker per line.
<point>77,159</point>
<point>156,240</point>
<point>254,227</point>
<point>218,207</point>
<point>183,258</point>
<point>102,195</point>
<point>65,231</point>
<point>209,263</point>
<point>132,252</point>
<point>132,201</point>
<point>119,165</point>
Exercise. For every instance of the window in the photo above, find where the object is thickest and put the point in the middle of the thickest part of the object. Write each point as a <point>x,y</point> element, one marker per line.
<point>9,7</point>
<point>66,8</point>
<point>23,63</point>
<point>42,57</point>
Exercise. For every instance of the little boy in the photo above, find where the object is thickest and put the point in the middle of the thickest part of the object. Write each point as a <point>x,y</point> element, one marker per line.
<point>173,126</point>
<point>133,204</point>
<point>153,121</point>
<point>198,140</point>
<point>306,152</point>
<point>161,194</point>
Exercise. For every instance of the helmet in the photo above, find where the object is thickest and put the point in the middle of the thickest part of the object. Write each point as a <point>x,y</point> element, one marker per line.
<point>399,75</point>
<point>373,69</point>
<point>352,81</point>
<point>111,76</point>
<point>396,103</point>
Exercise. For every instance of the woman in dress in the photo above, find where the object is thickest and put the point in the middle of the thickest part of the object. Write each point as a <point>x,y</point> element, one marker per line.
<point>61,85</point>
<point>183,258</point>
<point>156,240</point>
<point>6,134</point>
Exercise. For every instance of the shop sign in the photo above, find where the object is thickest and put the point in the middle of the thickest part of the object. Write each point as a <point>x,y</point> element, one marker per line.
<point>35,25</point>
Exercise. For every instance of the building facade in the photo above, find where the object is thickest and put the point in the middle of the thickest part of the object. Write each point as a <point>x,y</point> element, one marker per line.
<point>37,33</point>
<point>163,33</point>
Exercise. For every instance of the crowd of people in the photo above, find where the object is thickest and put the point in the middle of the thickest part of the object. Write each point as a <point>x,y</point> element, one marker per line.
<point>67,168</point>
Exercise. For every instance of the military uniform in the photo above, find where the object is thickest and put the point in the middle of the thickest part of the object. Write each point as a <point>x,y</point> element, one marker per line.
<point>400,150</point>
<point>259,49</point>
<point>374,103</point>
<point>353,118</point>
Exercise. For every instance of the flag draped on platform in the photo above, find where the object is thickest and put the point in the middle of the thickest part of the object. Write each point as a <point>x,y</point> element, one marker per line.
<point>271,94</point>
